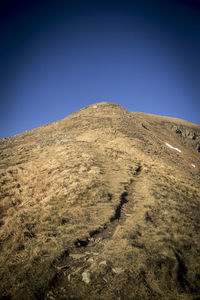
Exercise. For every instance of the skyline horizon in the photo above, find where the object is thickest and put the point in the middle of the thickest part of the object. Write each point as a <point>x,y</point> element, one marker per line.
<point>96,103</point>
<point>57,57</point>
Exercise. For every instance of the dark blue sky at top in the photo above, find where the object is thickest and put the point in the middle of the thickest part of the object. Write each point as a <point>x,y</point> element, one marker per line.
<point>59,56</point>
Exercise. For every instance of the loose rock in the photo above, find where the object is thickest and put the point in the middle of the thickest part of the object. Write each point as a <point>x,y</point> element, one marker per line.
<point>86,277</point>
<point>118,270</point>
<point>77,256</point>
<point>90,260</point>
<point>104,262</point>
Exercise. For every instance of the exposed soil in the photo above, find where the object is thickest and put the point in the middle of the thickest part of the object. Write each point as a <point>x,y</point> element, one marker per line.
<point>96,206</point>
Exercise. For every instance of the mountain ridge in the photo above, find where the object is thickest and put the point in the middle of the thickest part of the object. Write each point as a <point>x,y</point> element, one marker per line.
<point>179,120</point>
<point>101,205</point>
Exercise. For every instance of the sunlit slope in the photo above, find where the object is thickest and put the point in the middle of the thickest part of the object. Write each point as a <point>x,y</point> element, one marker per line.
<point>101,205</point>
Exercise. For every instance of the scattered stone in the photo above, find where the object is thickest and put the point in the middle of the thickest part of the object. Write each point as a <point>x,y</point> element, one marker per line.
<point>94,170</point>
<point>98,240</point>
<point>118,270</point>
<point>50,295</point>
<point>77,256</point>
<point>95,106</point>
<point>90,260</point>
<point>69,277</point>
<point>104,262</point>
<point>193,165</point>
<point>86,277</point>
<point>64,140</point>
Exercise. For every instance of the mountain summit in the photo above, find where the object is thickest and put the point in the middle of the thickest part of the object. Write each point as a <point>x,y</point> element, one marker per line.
<point>104,204</point>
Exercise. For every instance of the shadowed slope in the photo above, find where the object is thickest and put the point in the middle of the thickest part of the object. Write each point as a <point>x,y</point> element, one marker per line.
<point>97,206</point>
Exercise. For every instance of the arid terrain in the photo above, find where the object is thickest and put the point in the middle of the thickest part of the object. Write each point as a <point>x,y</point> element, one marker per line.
<point>104,204</point>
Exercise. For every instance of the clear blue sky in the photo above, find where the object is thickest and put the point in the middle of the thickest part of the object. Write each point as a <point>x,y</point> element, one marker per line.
<point>59,56</point>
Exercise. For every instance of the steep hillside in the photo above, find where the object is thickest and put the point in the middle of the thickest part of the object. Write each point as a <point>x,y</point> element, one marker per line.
<point>104,204</point>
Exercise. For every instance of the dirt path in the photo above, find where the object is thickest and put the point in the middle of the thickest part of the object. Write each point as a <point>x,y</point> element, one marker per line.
<point>85,251</point>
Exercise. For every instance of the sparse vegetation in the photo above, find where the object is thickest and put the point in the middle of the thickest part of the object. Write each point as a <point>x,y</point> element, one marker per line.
<point>73,195</point>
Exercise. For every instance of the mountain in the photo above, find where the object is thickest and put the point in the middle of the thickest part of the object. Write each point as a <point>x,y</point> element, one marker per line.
<point>104,204</point>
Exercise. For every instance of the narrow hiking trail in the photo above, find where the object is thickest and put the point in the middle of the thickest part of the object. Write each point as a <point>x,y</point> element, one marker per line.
<point>88,261</point>
<point>97,206</point>
<point>86,253</point>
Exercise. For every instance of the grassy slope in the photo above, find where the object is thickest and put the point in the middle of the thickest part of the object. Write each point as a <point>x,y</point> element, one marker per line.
<point>101,185</point>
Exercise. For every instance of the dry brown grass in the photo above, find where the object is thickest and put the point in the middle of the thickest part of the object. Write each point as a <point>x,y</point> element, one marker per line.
<point>61,186</point>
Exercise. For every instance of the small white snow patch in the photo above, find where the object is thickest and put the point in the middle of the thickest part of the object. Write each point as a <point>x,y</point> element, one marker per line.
<point>193,165</point>
<point>170,146</point>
